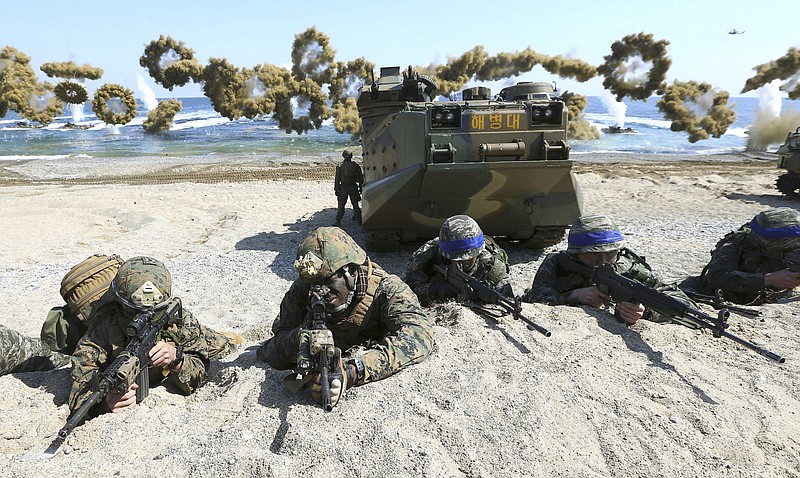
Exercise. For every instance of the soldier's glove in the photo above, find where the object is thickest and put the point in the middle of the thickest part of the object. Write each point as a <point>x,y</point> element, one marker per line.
<point>442,291</point>
<point>337,379</point>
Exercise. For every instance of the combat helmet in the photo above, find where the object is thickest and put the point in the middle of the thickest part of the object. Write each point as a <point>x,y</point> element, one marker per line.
<point>777,228</point>
<point>324,251</point>
<point>142,283</point>
<point>594,233</point>
<point>347,154</point>
<point>460,238</point>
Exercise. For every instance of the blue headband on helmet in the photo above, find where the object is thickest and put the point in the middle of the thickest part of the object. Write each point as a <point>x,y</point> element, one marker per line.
<point>461,244</point>
<point>774,232</point>
<point>594,238</point>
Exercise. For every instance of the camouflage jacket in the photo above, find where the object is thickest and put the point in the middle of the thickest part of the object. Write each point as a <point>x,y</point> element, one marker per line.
<point>22,354</point>
<point>384,326</point>
<point>552,284</point>
<point>491,269</point>
<point>106,338</point>
<point>348,174</point>
<point>738,266</point>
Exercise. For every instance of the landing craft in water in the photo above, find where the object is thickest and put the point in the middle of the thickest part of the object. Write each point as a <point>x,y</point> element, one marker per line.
<point>502,160</point>
<point>617,130</point>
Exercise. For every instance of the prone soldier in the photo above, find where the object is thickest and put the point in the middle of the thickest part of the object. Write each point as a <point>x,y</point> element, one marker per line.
<point>376,326</point>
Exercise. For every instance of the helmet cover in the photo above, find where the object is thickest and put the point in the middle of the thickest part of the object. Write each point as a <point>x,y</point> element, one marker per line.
<point>594,233</point>
<point>460,238</point>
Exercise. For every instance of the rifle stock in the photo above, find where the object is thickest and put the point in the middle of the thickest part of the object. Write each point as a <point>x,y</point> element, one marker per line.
<point>624,289</point>
<point>459,278</point>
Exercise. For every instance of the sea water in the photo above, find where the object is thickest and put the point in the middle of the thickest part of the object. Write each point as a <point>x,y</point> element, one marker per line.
<point>199,131</point>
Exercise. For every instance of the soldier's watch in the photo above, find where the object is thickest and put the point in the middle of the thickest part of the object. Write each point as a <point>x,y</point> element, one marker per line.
<point>359,365</point>
<point>178,359</point>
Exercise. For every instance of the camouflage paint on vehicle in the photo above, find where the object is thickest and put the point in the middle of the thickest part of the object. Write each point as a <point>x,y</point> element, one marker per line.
<point>502,161</point>
<point>789,159</point>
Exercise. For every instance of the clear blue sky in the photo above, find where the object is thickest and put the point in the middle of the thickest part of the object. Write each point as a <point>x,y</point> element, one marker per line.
<point>112,35</point>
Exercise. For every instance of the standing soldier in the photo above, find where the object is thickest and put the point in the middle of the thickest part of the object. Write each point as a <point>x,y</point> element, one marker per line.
<point>348,185</point>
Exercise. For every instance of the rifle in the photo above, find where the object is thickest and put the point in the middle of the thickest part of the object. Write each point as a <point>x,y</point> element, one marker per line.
<point>461,279</point>
<point>131,365</point>
<point>624,289</point>
<point>316,349</point>
<point>718,302</point>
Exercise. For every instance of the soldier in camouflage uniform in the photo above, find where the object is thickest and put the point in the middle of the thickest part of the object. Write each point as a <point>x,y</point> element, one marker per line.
<point>180,356</point>
<point>373,316</point>
<point>747,264</point>
<point>595,240</point>
<point>347,184</point>
<point>22,354</point>
<point>462,242</point>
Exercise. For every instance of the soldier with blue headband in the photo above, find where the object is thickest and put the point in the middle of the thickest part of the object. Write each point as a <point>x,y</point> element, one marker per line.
<point>754,264</point>
<point>595,240</point>
<point>460,242</point>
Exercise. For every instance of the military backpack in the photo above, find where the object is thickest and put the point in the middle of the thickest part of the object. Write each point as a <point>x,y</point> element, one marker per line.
<point>85,288</point>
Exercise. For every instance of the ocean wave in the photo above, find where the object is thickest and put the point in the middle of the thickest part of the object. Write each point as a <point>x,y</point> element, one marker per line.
<point>199,123</point>
<point>25,157</point>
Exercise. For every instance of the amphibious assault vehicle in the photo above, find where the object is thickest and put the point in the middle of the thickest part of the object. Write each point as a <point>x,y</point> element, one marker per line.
<point>789,159</point>
<point>504,161</point>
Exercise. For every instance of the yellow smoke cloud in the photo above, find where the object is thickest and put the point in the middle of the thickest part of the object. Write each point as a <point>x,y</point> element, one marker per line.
<point>627,57</point>
<point>70,70</point>
<point>786,67</point>
<point>160,118</point>
<point>696,108</point>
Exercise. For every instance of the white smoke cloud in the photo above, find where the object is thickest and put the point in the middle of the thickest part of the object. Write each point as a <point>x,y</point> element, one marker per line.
<point>148,96</point>
<point>617,109</point>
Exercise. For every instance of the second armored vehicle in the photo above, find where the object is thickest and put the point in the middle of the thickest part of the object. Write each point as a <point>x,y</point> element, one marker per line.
<point>789,159</point>
<point>504,161</point>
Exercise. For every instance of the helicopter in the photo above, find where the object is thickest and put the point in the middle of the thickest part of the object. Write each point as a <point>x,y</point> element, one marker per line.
<point>734,31</point>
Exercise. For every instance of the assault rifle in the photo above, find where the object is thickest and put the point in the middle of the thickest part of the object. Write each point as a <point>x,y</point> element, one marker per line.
<point>316,349</point>
<point>624,289</point>
<point>461,279</point>
<point>131,365</point>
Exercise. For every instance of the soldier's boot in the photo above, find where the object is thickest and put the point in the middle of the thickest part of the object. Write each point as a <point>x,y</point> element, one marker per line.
<point>235,338</point>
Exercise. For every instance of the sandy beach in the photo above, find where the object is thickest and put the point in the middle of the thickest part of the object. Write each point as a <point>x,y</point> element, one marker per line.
<point>596,399</point>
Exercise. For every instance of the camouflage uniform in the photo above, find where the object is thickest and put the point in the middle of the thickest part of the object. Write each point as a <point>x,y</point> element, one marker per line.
<point>143,283</point>
<point>23,354</point>
<point>460,239</point>
<point>596,234</point>
<point>347,184</point>
<point>106,338</point>
<point>491,268</point>
<point>383,325</point>
<point>742,258</point>
<point>552,284</point>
